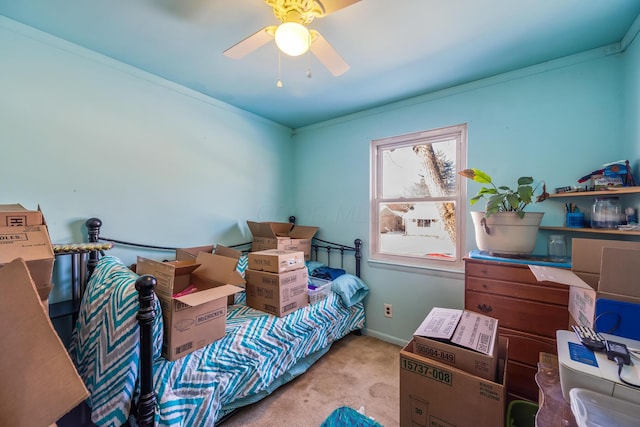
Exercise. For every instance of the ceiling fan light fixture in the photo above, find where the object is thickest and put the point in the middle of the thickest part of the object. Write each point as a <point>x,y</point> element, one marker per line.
<point>292,38</point>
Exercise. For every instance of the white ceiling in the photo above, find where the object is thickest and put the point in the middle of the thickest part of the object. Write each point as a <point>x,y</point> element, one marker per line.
<point>396,49</point>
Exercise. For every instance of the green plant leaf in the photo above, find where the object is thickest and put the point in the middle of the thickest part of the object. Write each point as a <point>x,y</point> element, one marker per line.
<point>476,175</point>
<point>526,193</point>
<point>525,180</point>
<point>514,201</point>
<point>487,190</point>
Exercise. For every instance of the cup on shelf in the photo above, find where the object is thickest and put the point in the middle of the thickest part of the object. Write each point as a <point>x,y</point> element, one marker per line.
<point>574,219</point>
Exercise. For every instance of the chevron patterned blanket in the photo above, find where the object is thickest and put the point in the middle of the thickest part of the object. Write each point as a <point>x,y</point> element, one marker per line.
<point>258,353</point>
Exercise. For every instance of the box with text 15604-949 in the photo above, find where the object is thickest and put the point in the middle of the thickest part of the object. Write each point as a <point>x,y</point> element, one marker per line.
<point>459,338</point>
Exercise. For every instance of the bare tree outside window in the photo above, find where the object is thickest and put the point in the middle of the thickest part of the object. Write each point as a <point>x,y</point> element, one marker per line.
<point>417,199</point>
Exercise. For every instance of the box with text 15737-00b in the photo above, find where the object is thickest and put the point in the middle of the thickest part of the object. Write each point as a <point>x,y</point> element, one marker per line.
<point>435,394</point>
<point>459,338</point>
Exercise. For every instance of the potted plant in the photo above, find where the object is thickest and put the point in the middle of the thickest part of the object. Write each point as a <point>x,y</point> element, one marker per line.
<point>504,228</point>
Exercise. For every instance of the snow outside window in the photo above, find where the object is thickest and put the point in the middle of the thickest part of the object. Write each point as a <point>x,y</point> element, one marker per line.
<point>417,198</point>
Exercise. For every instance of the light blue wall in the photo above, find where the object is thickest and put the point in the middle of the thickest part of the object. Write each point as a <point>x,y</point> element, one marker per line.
<point>85,136</point>
<point>555,121</point>
<point>631,76</point>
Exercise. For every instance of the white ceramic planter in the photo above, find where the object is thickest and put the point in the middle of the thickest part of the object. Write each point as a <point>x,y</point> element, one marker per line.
<point>505,233</point>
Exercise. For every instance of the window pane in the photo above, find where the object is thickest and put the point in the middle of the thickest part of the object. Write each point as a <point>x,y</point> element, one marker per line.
<point>422,170</point>
<point>424,229</point>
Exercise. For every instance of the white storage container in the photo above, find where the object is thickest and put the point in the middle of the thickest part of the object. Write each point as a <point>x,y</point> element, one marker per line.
<point>593,409</point>
<point>318,289</point>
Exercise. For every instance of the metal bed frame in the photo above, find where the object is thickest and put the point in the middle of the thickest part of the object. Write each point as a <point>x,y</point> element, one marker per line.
<point>84,258</point>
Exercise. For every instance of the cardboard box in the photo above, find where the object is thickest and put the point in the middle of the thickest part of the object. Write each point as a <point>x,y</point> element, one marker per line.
<point>276,260</point>
<point>277,294</point>
<point>620,269</point>
<point>197,319</point>
<point>17,216</point>
<point>435,394</point>
<point>281,235</point>
<point>459,338</point>
<point>39,381</point>
<point>32,244</point>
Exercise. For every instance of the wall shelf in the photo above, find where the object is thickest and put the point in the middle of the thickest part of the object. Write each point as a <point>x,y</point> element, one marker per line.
<point>592,230</point>
<point>609,193</point>
<point>622,190</point>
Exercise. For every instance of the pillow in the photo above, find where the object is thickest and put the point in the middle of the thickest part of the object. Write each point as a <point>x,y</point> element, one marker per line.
<point>351,289</point>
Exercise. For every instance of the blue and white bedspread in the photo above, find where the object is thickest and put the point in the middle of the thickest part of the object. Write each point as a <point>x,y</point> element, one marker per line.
<point>258,353</point>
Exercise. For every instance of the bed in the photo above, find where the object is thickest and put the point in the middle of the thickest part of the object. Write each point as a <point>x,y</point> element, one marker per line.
<point>117,340</point>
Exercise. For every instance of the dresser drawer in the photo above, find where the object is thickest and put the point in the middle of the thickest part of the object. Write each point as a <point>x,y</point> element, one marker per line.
<point>502,271</point>
<point>526,348</point>
<point>515,273</point>
<point>533,317</point>
<point>553,294</point>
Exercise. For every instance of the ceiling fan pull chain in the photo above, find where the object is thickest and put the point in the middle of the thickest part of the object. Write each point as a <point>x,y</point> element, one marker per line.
<point>279,82</point>
<point>309,59</point>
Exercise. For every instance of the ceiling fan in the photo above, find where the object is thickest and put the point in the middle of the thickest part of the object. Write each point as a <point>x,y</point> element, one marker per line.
<point>292,36</point>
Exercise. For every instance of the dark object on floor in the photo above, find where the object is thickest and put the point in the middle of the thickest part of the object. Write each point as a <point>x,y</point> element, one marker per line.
<point>521,413</point>
<point>347,417</point>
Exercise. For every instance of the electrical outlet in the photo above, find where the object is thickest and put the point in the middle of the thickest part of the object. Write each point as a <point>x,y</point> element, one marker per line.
<point>388,310</point>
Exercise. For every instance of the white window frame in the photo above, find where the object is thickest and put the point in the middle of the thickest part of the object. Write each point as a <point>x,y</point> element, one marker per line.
<point>457,132</point>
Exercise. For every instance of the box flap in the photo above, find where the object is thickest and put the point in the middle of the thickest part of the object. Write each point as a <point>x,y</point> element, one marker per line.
<point>476,332</point>
<point>15,207</point>
<point>303,232</point>
<point>586,254</point>
<point>228,252</point>
<point>16,215</point>
<point>558,275</point>
<point>192,253</point>
<point>620,268</point>
<point>183,267</point>
<point>40,383</point>
<point>210,294</point>
<point>269,229</point>
<point>440,323</point>
<point>162,271</point>
<point>216,270</point>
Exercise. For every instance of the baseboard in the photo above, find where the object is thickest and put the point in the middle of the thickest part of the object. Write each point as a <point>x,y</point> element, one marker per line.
<point>384,337</point>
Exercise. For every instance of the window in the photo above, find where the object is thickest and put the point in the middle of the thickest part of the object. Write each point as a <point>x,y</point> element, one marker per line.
<point>417,198</point>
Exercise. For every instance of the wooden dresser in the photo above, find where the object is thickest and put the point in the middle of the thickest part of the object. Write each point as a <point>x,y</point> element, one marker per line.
<point>528,312</point>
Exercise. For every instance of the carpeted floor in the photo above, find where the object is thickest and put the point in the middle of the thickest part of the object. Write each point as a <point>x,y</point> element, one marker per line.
<point>358,371</point>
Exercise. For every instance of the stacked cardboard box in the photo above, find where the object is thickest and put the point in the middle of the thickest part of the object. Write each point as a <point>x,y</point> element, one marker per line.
<point>600,268</point>
<point>455,360</point>
<point>24,234</point>
<point>281,235</point>
<point>197,318</point>
<point>277,281</point>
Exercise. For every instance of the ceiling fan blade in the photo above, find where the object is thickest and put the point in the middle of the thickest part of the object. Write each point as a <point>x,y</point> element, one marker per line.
<point>330,6</point>
<point>326,54</point>
<point>251,43</point>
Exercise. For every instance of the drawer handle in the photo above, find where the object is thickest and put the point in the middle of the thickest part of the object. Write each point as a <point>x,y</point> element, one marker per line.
<point>485,308</point>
